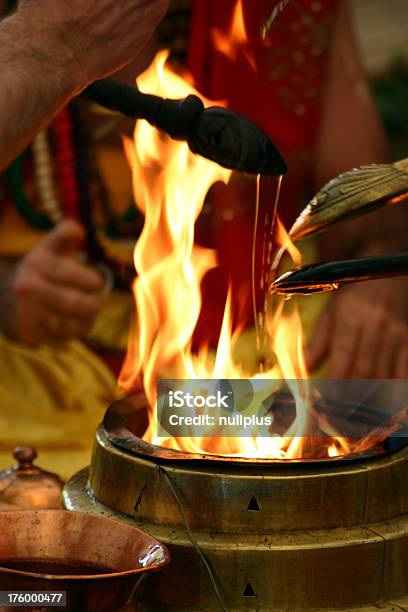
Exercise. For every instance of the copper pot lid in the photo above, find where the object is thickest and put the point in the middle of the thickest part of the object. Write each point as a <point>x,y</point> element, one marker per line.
<point>26,486</point>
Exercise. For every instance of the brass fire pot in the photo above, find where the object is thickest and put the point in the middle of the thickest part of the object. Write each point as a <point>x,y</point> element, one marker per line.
<point>277,536</point>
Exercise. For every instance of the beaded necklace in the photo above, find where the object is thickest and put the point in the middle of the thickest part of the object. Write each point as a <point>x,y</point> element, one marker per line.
<point>84,185</point>
<point>68,184</point>
<point>62,130</point>
<point>15,178</point>
<point>44,179</point>
<point>79,183</point>
<point>67,164</point>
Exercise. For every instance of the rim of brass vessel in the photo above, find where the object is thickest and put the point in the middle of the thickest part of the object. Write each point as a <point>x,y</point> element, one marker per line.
<point>290,497</point>
<point>77,539</point>
<point>123,424</point>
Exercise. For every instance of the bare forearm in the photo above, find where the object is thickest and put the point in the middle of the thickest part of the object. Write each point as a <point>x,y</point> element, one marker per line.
<point>36,79</point>
<point>51,49</point>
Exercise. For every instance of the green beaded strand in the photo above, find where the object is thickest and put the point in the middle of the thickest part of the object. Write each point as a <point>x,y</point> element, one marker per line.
<point>15,177</point>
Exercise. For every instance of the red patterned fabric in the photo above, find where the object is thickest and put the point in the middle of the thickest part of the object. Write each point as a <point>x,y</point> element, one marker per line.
<point>278,83</point>
<point>283,95</point>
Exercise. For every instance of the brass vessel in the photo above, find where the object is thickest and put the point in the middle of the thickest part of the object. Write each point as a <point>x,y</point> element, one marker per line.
<point>26,486</point>
<point>96,561</point>
<point>276,537</point>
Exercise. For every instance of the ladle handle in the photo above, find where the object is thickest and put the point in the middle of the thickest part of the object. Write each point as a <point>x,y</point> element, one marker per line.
<point>333,274</point>
<point>178,118</point>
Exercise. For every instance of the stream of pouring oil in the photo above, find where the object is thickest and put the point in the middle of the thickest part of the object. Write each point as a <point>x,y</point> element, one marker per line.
<point>267,216</point>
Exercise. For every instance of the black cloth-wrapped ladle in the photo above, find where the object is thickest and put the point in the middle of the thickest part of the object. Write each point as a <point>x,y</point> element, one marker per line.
<point>216,133</point>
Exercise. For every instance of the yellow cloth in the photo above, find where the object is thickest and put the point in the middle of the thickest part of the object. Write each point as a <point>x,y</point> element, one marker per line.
<point>52,398</point>
<point>111,328</point>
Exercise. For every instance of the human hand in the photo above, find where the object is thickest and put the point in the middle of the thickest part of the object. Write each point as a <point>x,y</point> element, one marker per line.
<point>363,332</point>
<point>102,35</point>
<point>50,296</point>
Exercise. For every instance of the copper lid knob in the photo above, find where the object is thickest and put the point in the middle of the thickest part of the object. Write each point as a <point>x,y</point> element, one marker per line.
<point>27,486</point>
<point>25,456</point>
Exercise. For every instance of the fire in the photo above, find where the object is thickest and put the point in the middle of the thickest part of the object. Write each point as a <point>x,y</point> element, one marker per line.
<point>235,41</point>
<point>170,185</point>
<point>286,244</point>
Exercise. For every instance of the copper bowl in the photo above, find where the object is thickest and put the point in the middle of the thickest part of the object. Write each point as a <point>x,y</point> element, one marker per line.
<point>97,561</point>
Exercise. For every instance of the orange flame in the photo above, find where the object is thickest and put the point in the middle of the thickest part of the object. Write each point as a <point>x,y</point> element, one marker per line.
<point>170,185</point>
<point>236,40</point>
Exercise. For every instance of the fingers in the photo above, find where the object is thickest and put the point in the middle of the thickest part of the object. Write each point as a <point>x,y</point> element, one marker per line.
<point>387,353</point>
<point>66,271</point>
<point>370,357</point>
<point>345,338</point>
<point>51,260</point>
<point>366,338</point>
<point>394,352</point>
<point>401,362</point>
<point>342,336</point>
<point>319,346</point>
<point>382,340</point>
<point>56,297</point>
<point>61,300</point>
<point>67,237</point>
